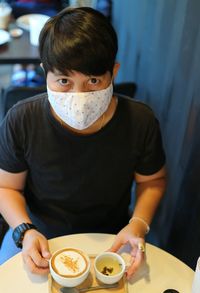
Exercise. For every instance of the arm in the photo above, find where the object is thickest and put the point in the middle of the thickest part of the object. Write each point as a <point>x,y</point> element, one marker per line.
<point>149,191</point>
<point>13,205</point>
<point>13,209</point>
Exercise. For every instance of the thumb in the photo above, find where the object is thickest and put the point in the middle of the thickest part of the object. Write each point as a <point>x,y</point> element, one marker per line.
<point>116,246</point>
<point>46,254</point>
<point>45,251</point>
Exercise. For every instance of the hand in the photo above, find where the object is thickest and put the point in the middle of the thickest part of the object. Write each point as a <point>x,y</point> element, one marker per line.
<point>137,244</point>
<point>35,252</point>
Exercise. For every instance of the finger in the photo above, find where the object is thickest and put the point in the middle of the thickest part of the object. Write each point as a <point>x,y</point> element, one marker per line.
<point>134,252</point>
<point>39,260</point>
<point>135,264</point>
<point>140,245</point>
<point>33,268</point>
<point>46,254</point>
<point>115,246</point>
<point>45,251</point>
<point>134,249</point>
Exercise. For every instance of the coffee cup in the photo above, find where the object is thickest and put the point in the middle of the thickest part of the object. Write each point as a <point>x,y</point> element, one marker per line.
<point>5,15</point>
<point>69,267</point>
<point>36,23</point>
<point>196,280</point>
<point>109,267</point>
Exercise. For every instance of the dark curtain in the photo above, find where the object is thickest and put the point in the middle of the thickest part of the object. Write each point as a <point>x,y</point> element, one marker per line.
<point>159,49</point>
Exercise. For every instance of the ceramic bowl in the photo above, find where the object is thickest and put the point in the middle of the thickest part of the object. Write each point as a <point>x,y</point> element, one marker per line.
<point>109,267</point>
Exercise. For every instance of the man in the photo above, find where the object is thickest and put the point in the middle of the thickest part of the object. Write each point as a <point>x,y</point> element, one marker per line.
<point>68,158</point>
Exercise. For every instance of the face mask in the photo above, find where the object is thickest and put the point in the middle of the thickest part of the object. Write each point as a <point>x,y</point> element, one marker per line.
<point>80,110</point>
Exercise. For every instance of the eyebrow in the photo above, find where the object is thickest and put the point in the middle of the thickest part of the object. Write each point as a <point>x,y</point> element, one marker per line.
<point>57,73</point>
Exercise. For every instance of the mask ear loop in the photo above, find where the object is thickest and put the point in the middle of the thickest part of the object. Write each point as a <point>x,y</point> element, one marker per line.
<point>114,96</point>
<point>102,121</point>
<point>112,80</point>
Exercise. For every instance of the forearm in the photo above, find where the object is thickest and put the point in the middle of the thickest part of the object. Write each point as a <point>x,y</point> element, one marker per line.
<point>148,196</point>
<point>13,207</point>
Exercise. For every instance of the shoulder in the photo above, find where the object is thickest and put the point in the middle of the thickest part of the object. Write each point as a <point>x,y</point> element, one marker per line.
<point>24,113</point>
<point>32,102</point>
<point>29,105</point>
<point>136,109</point>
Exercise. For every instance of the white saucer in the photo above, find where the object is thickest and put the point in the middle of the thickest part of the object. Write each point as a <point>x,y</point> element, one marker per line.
<point>23,21</point>
<point>4,37</point>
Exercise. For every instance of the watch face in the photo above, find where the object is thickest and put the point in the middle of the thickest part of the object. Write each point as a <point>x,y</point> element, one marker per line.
<point>17,237</point>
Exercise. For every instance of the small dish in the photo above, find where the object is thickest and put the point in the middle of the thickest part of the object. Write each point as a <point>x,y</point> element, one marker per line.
<point>16,32</point>
<point>109,267</point>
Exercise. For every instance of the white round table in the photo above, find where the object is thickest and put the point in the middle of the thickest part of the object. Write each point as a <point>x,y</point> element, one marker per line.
<point>160,272</point>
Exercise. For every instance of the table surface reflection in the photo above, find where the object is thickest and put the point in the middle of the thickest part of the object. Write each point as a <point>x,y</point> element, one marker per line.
<point>160,271</point>
<point>19,50</point>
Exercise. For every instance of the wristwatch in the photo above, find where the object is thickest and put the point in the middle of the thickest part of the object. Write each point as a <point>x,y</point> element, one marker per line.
<point>19,231</point>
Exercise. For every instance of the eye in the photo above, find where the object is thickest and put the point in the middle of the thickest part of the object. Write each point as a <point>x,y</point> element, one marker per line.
<point>63,81</point>
<point>94,81</point>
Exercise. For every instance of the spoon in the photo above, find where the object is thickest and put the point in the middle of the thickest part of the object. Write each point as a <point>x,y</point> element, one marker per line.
<point>76,290</point>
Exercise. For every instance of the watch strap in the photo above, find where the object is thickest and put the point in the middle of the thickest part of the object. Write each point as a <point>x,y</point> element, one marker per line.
<point>19,231</point>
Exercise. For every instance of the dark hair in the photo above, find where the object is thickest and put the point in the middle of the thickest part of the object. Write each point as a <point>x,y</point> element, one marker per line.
<point>80,39</point>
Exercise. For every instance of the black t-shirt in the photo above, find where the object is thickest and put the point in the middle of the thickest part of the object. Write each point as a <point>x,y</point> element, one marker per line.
<point>79,183</point>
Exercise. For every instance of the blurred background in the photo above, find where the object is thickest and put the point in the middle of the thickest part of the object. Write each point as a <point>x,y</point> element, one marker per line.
<point>159,51</point>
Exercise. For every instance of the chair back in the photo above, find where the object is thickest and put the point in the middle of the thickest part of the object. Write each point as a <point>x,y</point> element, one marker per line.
<point>12,94</point>
<point>125,88</point>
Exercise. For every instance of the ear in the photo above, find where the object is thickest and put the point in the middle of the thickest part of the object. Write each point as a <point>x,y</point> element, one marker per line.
<point>115,69</point>
<point>41,65</point>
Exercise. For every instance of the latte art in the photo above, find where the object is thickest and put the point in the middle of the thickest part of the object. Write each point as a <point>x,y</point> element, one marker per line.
<point>69,263</point>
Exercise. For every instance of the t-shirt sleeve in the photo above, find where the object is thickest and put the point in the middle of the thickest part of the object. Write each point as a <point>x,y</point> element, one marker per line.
<point>12,158</point>
<point>152,157</point>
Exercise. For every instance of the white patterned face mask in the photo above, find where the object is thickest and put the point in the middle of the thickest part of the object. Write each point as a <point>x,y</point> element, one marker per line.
<point>80,110</point>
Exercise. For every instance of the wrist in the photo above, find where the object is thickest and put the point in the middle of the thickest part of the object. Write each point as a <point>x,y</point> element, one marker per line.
<point>19,233</point>
<point>139,226</point>
<point>137,229</point>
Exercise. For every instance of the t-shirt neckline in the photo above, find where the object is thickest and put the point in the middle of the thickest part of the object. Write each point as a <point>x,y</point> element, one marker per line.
<point>74,135</point>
